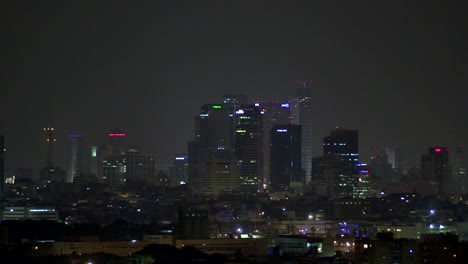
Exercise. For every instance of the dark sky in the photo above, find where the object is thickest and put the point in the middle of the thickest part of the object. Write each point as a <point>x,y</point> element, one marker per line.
<point>395,70</point>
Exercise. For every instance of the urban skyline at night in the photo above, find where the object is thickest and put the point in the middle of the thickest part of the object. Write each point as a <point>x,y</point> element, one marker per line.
<point>234,132</point>
<point>398,79</point>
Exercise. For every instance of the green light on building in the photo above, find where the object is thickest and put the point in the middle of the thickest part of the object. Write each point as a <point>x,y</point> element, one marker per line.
<point>216,107</point>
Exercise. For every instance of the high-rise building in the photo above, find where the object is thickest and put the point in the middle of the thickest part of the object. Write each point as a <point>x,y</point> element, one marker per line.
<point>460,170</point>
<point>249,146</point>
<point>215,128</point>
<point>285,157</point>
<point>341,155</point>
<point>221,174</point>
<point>178,172</point>
<point>79,158</point>
<point>344,144</point>
<point>117,142</point>
<point>130,166</point>
<point>301,108</point>
<point>194,170</point>
<point>276,113</point>
<point>394,156</point>
<point>51,173</point>
<point>435,167</point>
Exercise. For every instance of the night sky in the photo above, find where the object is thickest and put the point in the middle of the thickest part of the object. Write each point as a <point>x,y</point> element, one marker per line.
<point>397,71</point>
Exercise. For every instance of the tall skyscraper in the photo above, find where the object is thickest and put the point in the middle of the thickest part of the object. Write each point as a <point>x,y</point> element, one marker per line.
<point>249,146</point>
<point>276,113</point>
<point>140,167</point>
<point>221,174</point>
<point>460,170</point>
<point>341,155</point>
<point>435,167</point>
<point>51,173</point>
<point>301,107</point>
<point>344,144</point>
<point>285,157</point>
<point>178,172</point>
<point>394,156</point>
<point>79,159</point>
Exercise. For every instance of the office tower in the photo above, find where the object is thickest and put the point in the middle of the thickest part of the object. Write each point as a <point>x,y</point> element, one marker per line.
<point>2,165</point>
<point>435,168</point>
<point>215,128</point>
<point>394,156</point>
<point>460,170</point>
<point>128,165</point>
<point>380,167</point>
<point>117,141</point>
<point>319,181</point>
<point>114,169</point>
<point>235,99</point>
<point>79,158</point>
<point>178,172</point>
<point>213,131</point>
<point>194,170</point>
<point>301,108</point>
<point>365,186</point>
<point>275,113</point>
<point>140,167</point>
<point>341,155</point>
<point>221,174</point>
<point>249,146</point>
<point>94,160</point>
<point>51,173</point>
<point>344,144</point>
<point>116,145</point>
<point>285,157</point>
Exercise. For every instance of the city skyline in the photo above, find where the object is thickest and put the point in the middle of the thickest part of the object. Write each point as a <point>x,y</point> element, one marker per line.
<point>392,71</point>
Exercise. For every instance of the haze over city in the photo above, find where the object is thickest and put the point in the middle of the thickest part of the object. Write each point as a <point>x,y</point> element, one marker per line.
<point>395,71</point>
<point>233,132</point>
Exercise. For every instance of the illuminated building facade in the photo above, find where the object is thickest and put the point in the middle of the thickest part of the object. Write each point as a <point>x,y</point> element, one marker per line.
<point>221,174</point>
<point>301,108</point>
<point>131,166</point>
<point>344,144</point>
<point>435,167</point>
<point>460,170</point>
<point>139,166</point>
<point>50,173</point>
<point>341,155</point>
<point>178,172</point>
<point>249,146</point>
<point>276,113</point>
<point>394,156</point>
<point>285,157</point>
<point>79,156</point>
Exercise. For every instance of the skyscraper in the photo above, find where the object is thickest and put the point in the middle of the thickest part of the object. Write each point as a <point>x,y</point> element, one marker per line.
<point>394,156</point>
<point>341,155</point>
<point>221,174</point>
<point>51,173</point>
<point>285,157</point>
<point>301,107</point>
<point>249,146</point>
<point>435,167</point>
<point>344,144</point>
<point>276,113</point>
<point>460,170</point>
<point>178,172</point>
<point>139,167</point>
<point>79,159</point>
